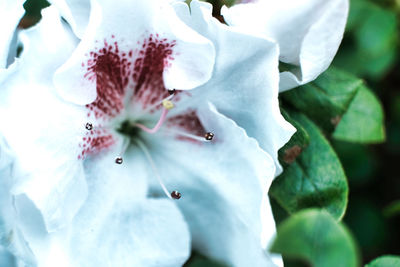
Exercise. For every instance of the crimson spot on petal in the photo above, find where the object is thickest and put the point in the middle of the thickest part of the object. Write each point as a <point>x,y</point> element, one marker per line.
<point>110,69</point>
<point>94,142</point>
<point>154,56</point>
<point>188,123</point>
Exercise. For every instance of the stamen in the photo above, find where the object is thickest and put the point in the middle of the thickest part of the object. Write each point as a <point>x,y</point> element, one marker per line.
<point>176,195</point>
<point>172,92</point>
<point>125,145</point>
<point>207,137</point>
<point>157,126</point>
<point>173,194</point>
<point>89,126</point>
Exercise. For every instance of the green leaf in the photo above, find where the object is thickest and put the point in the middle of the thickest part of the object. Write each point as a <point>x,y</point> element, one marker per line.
<point>340,104</point>
<point>363,122</point>
<point>326,99</point>
<point>370,44</point>
<point>314,236</point>
<point>299,141</point>
<point>385,261</point>
<point>314,179</point>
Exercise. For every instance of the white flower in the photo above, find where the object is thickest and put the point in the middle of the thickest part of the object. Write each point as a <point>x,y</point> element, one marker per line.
<point>76,12</point>
<point>308,32</point>
<point>100,213</point>
<point>11,241</point>
<point>11,12</point>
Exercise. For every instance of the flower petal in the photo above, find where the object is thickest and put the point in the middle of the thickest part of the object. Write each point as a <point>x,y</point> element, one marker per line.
<point>6,259</point>
<point>224,185</point>
<point>244,85</point>
<point>38,130</point>
<point>149,233</point>
<point>11,241</point>
<point>153,28</point>
<point>11,12</point>
<point>117,225</point>
<point>308,32</point>
<point>6,157</point>
<point>76,12</point>
<point>46,46</point>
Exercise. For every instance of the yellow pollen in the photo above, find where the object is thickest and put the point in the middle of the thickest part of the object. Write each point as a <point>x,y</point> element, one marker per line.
<point>168,104</point>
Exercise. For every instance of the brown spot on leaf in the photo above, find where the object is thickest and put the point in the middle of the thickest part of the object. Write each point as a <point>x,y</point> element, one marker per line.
<point>335,120</point>
<point>291,154</point>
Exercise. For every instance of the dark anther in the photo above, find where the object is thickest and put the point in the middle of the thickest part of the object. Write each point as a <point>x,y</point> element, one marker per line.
<point>209,136</point>
<point>119,160</point>
<point>89,126</point>
<point>176,195</point>
<point>171,92</point>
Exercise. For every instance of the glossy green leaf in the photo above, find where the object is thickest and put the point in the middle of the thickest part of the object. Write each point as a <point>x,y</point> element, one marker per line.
<point>385,261</point>
<point>326,99</point>
<point>314,179</point>
<point>314,236</point>
<point>340,104</point>
<point>363,121</point>
<point>299,141</point>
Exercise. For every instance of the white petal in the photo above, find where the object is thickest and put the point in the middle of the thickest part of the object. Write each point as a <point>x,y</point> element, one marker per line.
<point>46,46</point>
<point>134,26</point>
<point>308,32</point>
<point>149,233</point>
<point>117,225</point>
<point>244,85</point>
<point>6,156</point>
<point>11,12</point>
<point>76,12</point>
<point>6,258</point>
<point>224,185</point>
<point>110,182</point>
<point>10,238</point>
<point>6,214</point>
<point>38,128</point>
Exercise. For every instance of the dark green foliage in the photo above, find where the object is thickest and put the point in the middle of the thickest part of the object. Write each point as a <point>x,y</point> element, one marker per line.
<point>315,237</point>
<point>315,178</point>
<point>341,105</point>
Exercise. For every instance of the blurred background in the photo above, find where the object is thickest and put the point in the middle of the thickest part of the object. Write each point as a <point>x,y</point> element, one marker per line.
<point>370,50</point>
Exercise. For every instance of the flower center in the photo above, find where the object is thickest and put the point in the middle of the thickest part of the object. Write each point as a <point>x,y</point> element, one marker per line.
<point>133,131</point>
<point>131,83</point>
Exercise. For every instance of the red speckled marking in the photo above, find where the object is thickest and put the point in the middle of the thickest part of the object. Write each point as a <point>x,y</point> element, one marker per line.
<point>117,72</point>
<point>154,56</point>
<point>110,69</point>
<point>137,73</point>
<point>189,123</point>
<point>94,142</point>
